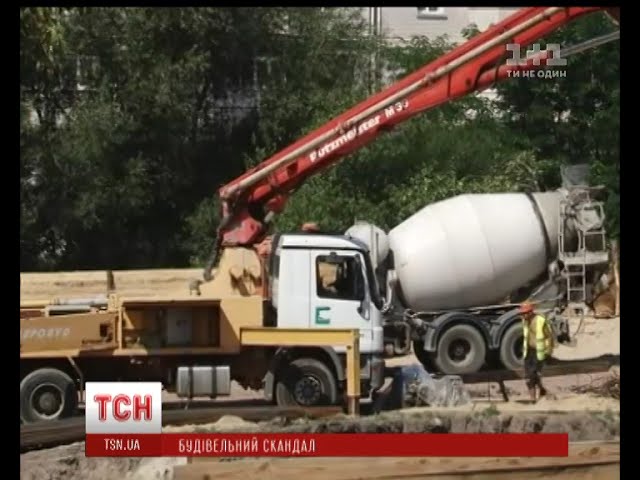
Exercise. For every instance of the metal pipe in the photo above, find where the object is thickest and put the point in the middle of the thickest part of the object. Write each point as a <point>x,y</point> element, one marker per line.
<point>372,58</point>
<point>407,340</point>
<point>34,303</point>
<point>69,308</point>
<point>95,301</point>
<point>589,44</point>
<point>437,74</point>
<point>371,20</point>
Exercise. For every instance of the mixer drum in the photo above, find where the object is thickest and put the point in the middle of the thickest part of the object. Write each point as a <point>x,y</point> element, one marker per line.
<point>473,249</point>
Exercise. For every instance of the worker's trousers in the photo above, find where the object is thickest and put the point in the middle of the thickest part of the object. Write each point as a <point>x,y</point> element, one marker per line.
<point>533,369</point>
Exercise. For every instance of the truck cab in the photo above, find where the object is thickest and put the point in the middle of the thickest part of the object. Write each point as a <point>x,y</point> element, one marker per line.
<point>327,281</point>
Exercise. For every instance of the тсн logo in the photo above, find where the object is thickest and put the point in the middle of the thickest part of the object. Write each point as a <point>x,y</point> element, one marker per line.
<point>123,407</point>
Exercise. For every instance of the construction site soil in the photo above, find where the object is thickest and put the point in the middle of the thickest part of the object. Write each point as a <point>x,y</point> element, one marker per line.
<point>39,286</point>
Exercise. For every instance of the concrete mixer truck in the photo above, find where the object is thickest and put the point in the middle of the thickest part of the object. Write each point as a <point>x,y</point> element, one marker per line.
<point>448,269</point>
<point>436,282</point>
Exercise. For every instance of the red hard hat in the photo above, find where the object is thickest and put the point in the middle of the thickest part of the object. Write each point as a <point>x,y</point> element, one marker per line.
<point>526,308</point>
<point>310,227</point>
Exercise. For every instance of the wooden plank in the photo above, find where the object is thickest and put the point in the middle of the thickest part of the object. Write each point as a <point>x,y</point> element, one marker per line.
<point>358,468</point>
<point>583,472</point>
<point>592,461</point>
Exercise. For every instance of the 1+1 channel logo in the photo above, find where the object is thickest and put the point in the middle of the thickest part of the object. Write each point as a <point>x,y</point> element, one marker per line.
<point>117,412</point>
<point>534,57</point>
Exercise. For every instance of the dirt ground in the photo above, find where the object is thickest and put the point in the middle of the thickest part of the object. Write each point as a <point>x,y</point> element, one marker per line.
<point>583,416</point>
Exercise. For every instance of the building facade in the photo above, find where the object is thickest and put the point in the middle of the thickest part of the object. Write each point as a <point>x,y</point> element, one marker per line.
<point>402,23</point>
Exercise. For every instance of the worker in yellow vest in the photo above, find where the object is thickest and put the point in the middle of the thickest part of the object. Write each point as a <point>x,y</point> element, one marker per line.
<point>537,348</point>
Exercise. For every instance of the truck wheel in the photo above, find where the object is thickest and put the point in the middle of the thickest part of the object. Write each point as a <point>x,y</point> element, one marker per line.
<point>306,382</point>
<point>461,349</point>
<point>47,394</point>
<point>511,348</point>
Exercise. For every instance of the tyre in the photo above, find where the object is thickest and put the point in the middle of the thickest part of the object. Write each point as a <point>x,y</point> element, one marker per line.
<point>511,354</point>
<point>461,349</point>
<point>47,394</point>
<point>306,382</point>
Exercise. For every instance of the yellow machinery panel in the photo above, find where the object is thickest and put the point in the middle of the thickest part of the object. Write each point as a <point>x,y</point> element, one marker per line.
<point>188,322</point>
<point>238,313</point>
<point>91,331</point>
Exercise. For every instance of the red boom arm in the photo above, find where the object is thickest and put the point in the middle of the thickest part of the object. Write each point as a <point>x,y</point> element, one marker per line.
<point>475,65</point>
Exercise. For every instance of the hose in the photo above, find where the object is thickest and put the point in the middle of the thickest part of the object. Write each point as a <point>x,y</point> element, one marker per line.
<point>589,44</point>
<point>217,243</point>
<point>213,258</point>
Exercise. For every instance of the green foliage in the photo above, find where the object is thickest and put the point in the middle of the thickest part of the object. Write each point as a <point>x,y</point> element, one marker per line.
<point>200,229</point>
<point>176,102</point>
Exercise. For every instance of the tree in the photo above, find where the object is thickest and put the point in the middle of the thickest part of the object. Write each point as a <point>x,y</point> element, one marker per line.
<point>123,175</point>
<point>129,157</point>
<point>43,99</point>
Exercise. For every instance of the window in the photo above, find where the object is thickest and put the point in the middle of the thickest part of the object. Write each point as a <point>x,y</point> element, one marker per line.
<point>339,277</point>
<point>432,12</point>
